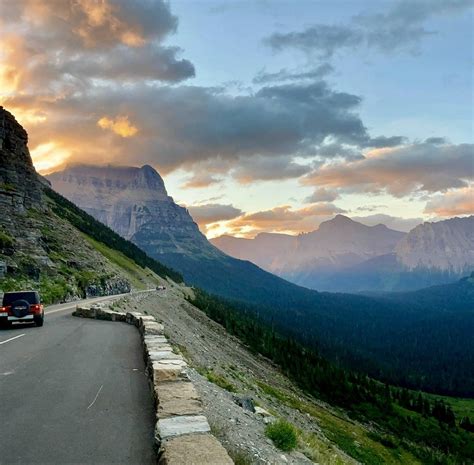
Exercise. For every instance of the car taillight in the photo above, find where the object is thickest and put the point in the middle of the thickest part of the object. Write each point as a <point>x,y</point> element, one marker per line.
<point>5,309</point>
<point>35,307</point>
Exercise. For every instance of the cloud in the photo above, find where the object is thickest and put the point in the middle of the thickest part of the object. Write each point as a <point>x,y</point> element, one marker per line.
<point>201,181</point>
<point>400,28</point>
<point>283,219</point>
<point>188,125</point>
<point>321,39</point>
<point>452,203</point>
<point>322,195</point>
<point>392,222</point>
<point>59,47</point>
<point>285,75</point>
<point>213,212</point>
<point>418,167</point>
<point>120,125</point>
<point>261,168</point>
<point>436,140</point>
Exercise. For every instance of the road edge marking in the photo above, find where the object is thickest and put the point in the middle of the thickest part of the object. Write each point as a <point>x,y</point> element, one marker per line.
<point>12,338</point>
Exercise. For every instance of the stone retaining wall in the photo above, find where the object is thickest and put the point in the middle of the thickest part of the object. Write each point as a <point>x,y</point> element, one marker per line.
<point>182,433</point>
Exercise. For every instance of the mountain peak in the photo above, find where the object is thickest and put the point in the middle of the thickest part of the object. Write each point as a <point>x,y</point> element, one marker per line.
<point>342,219</point>
<point>338,221</point>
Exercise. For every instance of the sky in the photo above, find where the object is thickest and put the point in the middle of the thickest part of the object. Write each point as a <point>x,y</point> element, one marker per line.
<point>260,115</point>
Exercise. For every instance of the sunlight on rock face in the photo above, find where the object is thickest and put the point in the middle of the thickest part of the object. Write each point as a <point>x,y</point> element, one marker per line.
<point>121,125</point>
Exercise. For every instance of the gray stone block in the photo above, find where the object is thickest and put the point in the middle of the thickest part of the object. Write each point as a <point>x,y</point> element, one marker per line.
<point>178,426</point>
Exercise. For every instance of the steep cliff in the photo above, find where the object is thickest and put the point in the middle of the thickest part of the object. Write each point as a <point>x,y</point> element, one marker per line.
<point>446,246</point>
<point>134,203</point>
<point>41,249</point>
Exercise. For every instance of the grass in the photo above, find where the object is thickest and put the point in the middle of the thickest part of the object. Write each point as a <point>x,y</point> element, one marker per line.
<point>8,187</point>
<point>220,381</point>
<point>461,407</point>
<point>137,275</point>
<point>349,436</point>
<point>6,240</point>
<point>283,435</point>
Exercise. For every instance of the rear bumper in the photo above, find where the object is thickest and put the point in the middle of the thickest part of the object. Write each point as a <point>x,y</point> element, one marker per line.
<point>23,318</point>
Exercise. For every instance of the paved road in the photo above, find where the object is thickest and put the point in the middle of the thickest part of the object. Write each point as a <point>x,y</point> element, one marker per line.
<point>74,392</point>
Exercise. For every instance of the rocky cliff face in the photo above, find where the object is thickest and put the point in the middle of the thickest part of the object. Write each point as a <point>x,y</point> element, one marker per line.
<point>134,203</point>
<point>19,186</point>
<point>37,248</point>
<point>446,246</point>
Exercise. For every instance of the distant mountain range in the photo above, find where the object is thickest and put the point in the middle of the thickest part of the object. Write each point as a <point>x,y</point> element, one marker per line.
<point>134,203</point>
<point>356,330</point>
<point>342,255</point>
<point>346,256</point>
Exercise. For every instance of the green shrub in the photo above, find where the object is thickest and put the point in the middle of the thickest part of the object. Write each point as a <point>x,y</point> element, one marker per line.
<point>283,435</point>
<point>220,381</point>
<point>5,240</point>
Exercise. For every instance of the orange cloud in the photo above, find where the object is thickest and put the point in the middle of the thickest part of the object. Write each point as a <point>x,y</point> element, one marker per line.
<point>120,125</point>
<point>453,203</point>
<point>102,17</point>
<point>283,219</point>
<point>47,156</point>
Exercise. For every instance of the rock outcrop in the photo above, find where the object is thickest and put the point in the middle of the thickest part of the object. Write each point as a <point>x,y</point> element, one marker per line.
<point>134,203</point>
<point>34,251</point>
<point>19,185</point>
<point>446,246</point>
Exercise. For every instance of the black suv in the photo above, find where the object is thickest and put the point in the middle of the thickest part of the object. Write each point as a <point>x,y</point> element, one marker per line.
<point>21,306</point>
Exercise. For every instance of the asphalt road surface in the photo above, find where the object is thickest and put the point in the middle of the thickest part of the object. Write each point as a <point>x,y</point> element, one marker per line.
<point>74,392</point>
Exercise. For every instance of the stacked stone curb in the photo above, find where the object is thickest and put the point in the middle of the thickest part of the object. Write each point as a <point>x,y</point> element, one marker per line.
<point>182,432</point>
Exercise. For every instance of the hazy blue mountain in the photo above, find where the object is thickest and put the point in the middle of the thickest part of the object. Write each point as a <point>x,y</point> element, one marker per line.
<point>343,255</point>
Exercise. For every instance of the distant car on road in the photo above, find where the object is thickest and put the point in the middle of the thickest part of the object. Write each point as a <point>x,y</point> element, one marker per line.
<point>21,306</point>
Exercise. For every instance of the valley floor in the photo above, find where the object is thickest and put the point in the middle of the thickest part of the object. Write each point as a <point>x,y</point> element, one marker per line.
<point>224,371</point>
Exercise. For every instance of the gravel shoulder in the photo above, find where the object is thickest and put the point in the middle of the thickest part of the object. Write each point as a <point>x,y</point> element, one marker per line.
<point>236,375</point>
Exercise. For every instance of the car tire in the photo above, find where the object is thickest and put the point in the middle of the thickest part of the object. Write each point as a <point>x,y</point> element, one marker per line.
<point>39,321</point>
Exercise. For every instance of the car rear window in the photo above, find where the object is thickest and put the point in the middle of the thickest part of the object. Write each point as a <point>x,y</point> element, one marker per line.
<point>30,297</point>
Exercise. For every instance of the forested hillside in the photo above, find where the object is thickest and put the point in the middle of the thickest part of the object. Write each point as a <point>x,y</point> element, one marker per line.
<point>408,419</point>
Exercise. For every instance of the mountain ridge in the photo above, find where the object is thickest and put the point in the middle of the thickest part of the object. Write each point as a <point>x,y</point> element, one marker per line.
<point>430,254</point>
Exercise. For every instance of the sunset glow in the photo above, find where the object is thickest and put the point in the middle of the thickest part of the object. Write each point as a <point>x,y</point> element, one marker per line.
<point>304,128</point>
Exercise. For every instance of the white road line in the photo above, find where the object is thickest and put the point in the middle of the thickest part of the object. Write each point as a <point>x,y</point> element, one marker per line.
<point>11,339</point>
<point>58,310</point>
<point>95,398</point>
